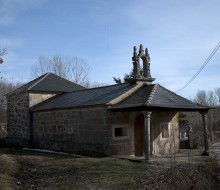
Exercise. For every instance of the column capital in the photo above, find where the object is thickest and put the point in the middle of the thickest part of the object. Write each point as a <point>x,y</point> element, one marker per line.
<point>147,114</point>
<point>204,113</point>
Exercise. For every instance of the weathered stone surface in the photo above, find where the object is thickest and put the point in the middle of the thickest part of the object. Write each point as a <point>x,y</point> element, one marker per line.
<point>18,120</point>
<point>161,146</point>
<point>70,130</point>
<point>18,116</point>
<point>35,98</point>
<point>84,129</point>
<point>119,146</point>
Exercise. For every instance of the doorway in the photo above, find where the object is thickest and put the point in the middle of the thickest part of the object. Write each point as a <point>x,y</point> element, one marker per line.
<point>139,135</point>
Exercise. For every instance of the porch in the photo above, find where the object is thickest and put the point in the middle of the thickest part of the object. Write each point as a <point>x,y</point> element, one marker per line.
<point>190,156</point>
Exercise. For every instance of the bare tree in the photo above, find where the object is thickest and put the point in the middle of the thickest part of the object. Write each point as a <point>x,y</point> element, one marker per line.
<point>75,69</point>
<point>212,98</point>
<point>217,93</point>
<point>201,97</point>
<point>3,51</point>
<point>95,84</point>
<point>209,98</point>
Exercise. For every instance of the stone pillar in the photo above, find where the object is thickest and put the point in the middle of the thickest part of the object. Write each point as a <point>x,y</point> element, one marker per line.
<point>205,131</point>
<point>147,140</point>
<point>136,64</point>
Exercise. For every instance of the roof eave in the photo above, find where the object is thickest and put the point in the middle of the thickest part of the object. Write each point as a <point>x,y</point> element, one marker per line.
<point>157,108</point>
<point>35,109</point>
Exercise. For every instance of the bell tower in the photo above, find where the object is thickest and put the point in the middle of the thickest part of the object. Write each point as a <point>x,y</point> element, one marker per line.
<point>141,74</point>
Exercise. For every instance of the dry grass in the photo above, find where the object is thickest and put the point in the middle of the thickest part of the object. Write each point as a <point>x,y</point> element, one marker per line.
<point>38,171</point>
<point>184,177</point>
<point>47,171</point>
<point>7,167</point>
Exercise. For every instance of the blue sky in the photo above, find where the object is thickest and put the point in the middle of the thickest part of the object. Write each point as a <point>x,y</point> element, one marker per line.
<point>179,35</point>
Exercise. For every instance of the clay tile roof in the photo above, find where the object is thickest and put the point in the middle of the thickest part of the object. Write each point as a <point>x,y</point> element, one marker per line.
<point>49,82</point>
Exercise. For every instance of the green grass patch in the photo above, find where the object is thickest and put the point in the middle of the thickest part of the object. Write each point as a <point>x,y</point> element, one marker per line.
<point>111,172</point>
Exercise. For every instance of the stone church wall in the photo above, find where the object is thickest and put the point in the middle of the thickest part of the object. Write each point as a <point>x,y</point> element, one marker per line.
<point>165,133</point>
<point>18,116</point>
<point>124,145</point>
<point>119,133</point>
<point>18,119</point>
<point>75,130</point>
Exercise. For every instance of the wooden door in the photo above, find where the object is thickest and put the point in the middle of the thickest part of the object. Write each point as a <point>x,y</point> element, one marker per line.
<point>139,135</point>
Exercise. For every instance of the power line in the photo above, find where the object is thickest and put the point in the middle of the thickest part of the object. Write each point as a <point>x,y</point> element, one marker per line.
<point>201,68</point>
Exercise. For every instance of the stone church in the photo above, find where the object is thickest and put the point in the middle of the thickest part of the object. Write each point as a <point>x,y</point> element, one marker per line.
<point>138,118</point>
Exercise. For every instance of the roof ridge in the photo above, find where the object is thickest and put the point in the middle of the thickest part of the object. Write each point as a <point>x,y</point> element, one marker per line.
<point>99,87</point>
<point>150,98</point>
<point>37,82</point>
<point>110,85</point>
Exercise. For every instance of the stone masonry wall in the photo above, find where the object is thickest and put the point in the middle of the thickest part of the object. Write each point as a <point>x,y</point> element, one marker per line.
<point>76,130</point>
<point>18,131</point>
<point>119,145</point>
<point>160,145</point>
<point>35,98</point>
<point>18,116</point>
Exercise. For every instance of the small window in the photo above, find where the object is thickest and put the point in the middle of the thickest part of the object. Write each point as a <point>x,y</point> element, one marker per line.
<point>120,132</point>
<point>165,130</point>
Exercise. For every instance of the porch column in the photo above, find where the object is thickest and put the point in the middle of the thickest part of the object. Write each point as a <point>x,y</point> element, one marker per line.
<point>205,131</point>
<point>147,152</point>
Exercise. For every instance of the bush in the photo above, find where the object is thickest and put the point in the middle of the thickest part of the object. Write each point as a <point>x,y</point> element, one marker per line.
<point>184,177</point>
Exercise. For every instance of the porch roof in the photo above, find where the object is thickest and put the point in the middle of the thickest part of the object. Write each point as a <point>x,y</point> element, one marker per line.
<point>156,97</point>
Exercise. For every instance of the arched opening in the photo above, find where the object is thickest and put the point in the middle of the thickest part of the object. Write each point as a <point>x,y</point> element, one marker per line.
<point>139,135</point>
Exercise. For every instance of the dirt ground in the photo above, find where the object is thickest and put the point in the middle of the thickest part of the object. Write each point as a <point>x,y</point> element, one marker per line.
<point>36,171</point>
<point>43,173</point>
